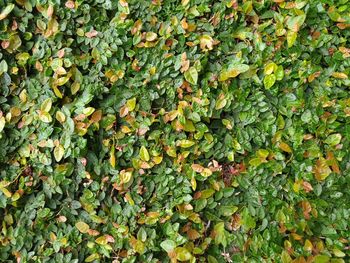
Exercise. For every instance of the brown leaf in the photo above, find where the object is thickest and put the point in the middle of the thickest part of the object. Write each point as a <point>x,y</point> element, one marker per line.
<point>197,168</point>
<point>70,4</point>
<point>305,205</point>
<point>96,116</point>
<point>91,34</point>
<point>123,111</point>
<point>333,162</point>
<point>193,234</point>
<point>307,186</point>
<point>321,169</point>
<point>285,147</point>
<point>50,11</point>
<point>185,63</point>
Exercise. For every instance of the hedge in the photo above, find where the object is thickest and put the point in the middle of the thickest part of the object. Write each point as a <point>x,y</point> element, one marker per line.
<point>174,131</point>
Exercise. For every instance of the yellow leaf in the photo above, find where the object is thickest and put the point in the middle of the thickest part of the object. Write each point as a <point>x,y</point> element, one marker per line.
<point>57,92</point>
<point>6,192</point>
<point>206,42</point>
<point>151,36</point>
<point>186,143</point>
<point>131,104</point>
<point>46,105</point>
<point>206,172</point>
<point>291,37</point>
<point>60,116</point>
<point>74,88</point>
<point>125,129</point>
<point>308,245</point>
<point>82,227</point>
<point>102,240</point>
<point>270,68</point>
<point>339,75</point>
<point>171,151</point>
<point>58,153</point>
<point>285,147</point>
<point>220,103</point>
<point>112,157</point>
<point>144,155</point>
<point>61,81</point>
<point>157,159</point>
<point>45,116</point>
<point>125,176</point>
<point>88,111</point>
<point>193,183</point>
<point>92,257</point>
<point>2,123</point>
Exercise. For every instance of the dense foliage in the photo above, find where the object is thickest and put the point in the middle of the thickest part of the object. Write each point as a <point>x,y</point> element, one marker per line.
<point>165,131</point>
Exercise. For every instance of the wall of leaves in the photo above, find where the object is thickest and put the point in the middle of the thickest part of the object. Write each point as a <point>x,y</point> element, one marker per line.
<point>174,131</point>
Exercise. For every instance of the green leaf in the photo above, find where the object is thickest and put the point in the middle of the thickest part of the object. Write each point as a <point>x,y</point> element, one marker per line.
<point>219,233</point>
<point>333,139</point>
<point>3,67</point>
<point>228,210</point>
<point>321,259</point>
<point>191,75</point>
<point>168,245</point>
<point>247,220</point>
<point>279,73</point>
<point>294,23</point>
<point>269,81</point>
